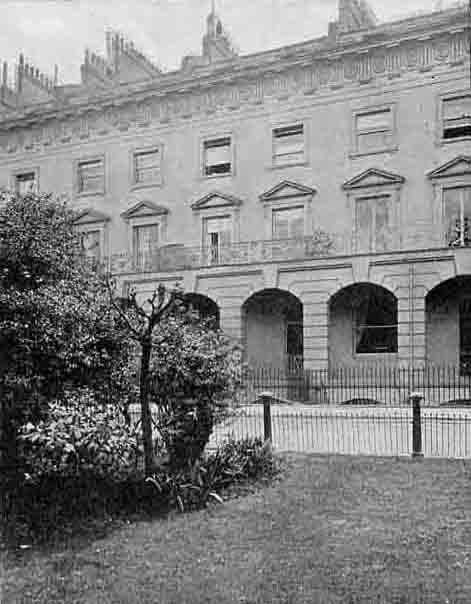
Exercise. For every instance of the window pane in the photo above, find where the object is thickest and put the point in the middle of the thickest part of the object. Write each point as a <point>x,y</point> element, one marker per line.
<point>217,156</point>
<point>288,143</point>
<point>372,141</point>
<point>457,107</point>
<point>452,211</point>
<point>363,225</point>
<point>383,231</point>
<point>376,120</point>
<point>288,224</point>
<point>25,183</point>
<point>145,242</point>
<point>147,166</point>
<point>90,176</point>
<point>91,245</point>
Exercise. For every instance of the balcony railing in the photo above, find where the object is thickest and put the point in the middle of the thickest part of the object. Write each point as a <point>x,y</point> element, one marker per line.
<point>179,256</point>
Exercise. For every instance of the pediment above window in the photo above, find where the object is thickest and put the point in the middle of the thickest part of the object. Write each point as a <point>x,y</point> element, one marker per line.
<point>460,166</point>
<point>89,216</point>
<point>143,209</point>
<point>373,177</point>
<point>216,200</point>
<point>285,190</point>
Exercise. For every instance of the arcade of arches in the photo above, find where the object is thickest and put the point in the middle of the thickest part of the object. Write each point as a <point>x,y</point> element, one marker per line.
<point>362,326</point>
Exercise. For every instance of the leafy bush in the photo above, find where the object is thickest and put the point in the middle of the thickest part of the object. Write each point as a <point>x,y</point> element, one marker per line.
<point>234,463</point>
<point>195,372</point>
<point>79,438</point>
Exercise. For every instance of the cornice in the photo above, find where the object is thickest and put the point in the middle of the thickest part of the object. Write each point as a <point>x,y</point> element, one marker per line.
<point>386,51</point>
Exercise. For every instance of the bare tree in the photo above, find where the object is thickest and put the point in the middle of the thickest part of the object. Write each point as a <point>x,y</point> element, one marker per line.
<point>141,322</point>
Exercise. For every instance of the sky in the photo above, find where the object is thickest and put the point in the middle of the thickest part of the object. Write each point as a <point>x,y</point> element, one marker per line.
<point>51,32</point>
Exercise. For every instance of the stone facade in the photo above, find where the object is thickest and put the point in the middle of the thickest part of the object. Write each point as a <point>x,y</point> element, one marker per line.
<point>306,169</point>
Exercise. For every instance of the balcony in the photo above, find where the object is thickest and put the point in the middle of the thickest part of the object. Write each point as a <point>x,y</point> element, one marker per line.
<point>180,257</point>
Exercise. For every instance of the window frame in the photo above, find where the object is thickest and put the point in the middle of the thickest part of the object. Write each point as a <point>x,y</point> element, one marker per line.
<point>460,187</point>
<point>371,199</point>
<point>442,99</point>
<point>355,133</point>
<point>77,179</point>
<point>154,221</point>
<point>22,171</point>
<point>277,210</point>
<point>97,223</point>
<point>274,164</point>
<point>212,138</point>
<point>207,249</point>
<point>142,151</point>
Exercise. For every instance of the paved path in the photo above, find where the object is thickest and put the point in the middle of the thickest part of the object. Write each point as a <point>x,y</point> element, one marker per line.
<point>355,430</point>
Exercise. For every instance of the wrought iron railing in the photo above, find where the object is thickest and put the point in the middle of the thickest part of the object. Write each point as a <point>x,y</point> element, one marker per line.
<point>181,256</point>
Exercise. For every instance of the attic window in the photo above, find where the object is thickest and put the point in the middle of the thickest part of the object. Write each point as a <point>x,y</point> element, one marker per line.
<point>373,130</point>
<point>456,116</point>
<point>217,156</point>
<point>26,183</point>
<point>288,144</point>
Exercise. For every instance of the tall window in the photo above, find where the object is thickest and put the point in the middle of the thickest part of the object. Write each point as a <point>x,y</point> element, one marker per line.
<point>457,211</point>
<point>145,243</point>
<point>217,156</point>
<point>147,167</point>
<point>373,130</point>
<point>91,176</point>
<point>91,246</point>
<point>375,322</point>
<point>456,117</point>
<point>216,238</point>
<point>288,144</point>
<point>288,223</point>
<point>373,224</point>
<point>26,183</point>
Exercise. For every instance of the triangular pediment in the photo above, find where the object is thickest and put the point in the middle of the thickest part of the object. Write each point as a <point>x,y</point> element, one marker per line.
<point>459,166</point>
<point>216,200</point>
<point>90,216</point>
<point>286,189</point>
<point>144,208</point>
<point>373,177</point>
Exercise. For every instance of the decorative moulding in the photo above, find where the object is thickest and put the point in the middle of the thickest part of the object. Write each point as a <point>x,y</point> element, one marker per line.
<point>459,166</point>
<point>144,208</point>
<point>286,189</point>
<point>373,177</point>
<point>90,215</point>
<point>216,200</point>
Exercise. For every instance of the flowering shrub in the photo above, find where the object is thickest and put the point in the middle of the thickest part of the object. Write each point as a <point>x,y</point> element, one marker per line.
<point>79,438</point>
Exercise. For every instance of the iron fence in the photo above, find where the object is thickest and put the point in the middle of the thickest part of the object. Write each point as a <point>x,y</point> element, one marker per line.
<point>380,431</point>
<point>364,385</point>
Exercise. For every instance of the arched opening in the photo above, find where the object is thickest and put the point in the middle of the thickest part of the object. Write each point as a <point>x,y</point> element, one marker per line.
<point>448,324</point>
<point>362,325</point>
<point>273,330</point>
<point>205,307</point>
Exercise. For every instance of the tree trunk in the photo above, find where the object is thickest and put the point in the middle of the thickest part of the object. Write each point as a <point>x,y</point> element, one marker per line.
<point>146,416</point>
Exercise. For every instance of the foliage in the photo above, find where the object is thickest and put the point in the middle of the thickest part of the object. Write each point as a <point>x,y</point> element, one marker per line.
<point>233,463</point>
<point>79,437</point>
<point>57,328</point>
<point>195,372</point>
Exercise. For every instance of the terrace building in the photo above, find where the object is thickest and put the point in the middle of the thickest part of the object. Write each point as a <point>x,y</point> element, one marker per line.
<point>315,199</point>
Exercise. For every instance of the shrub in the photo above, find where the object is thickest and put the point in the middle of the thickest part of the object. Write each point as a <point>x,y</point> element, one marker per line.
<point>79,438</point>
<point>195,373</point>
<point>234,463</point>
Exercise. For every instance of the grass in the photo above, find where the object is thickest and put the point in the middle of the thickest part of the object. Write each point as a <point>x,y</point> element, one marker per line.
<point>333,530</point>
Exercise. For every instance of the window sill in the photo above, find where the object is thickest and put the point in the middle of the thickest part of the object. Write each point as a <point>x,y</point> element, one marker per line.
<point>375,356</point>
<point>213,176</point>
<point>448,141</point>
<point>90,194</point>
<point>288,165</point>
<point>355,154</point>
<point>146,185</point>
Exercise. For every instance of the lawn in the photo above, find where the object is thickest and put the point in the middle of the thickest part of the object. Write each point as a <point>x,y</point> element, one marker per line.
<point>332,530</point>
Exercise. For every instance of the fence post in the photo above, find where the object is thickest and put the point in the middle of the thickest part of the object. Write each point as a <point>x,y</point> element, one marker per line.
<point>416,398</point>
<point>266,400</point>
